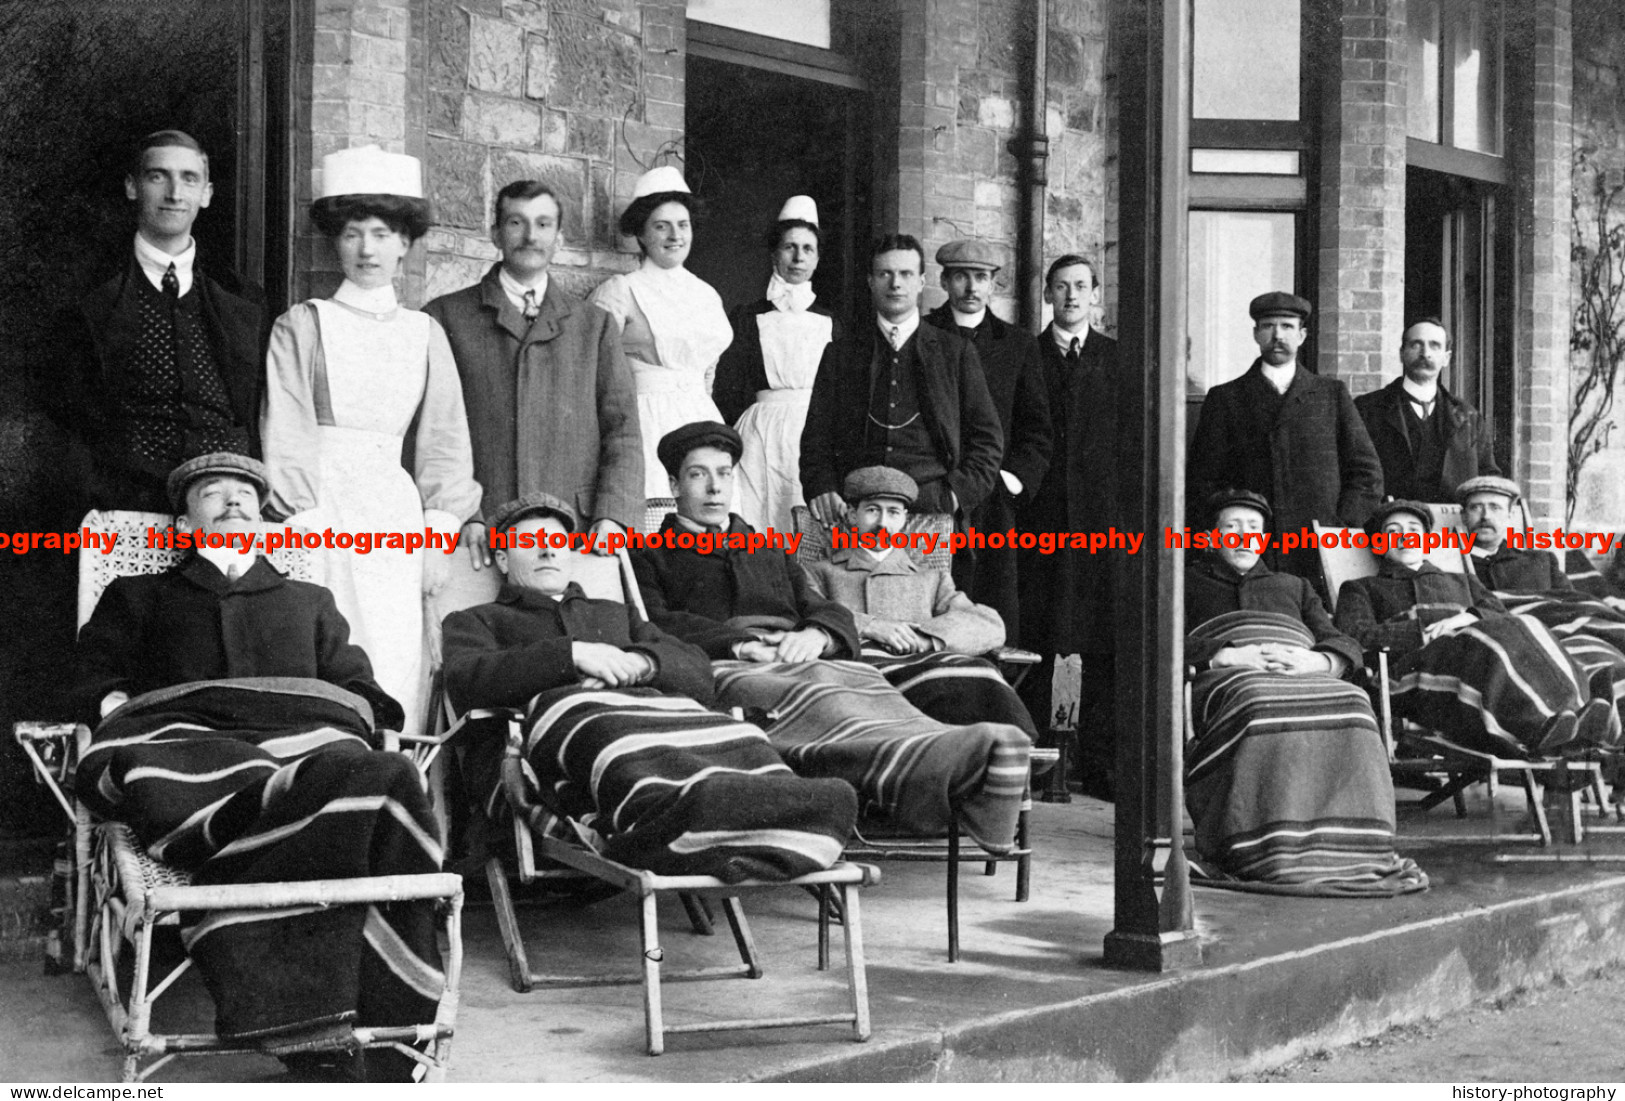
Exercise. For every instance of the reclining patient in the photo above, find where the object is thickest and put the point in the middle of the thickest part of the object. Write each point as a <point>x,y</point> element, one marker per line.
<point>1462,666</point>
<point>617,735</point>
<point>917,628</point>
<point>778,649</point>
<point>1287,780</point>
<point>236,732</point>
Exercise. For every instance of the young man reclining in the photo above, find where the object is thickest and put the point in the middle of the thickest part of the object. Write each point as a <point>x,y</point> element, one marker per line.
<point>917,628</point>
<point>1287,779</point>
<point>779,649</point>
<point>617,734</point>
<point>238,778</point>
<point>1460,664</point>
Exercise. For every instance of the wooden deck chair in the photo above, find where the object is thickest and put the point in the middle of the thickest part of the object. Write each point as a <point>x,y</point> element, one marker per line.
<point>1426,754</point>
<point>1014,663</point>
<point>115,895</point>
<point>836,888</point>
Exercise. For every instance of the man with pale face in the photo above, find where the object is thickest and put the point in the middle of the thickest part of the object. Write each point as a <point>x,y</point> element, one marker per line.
<point>1429,440</point>
<point>1015,379</point>
<point>1288,434</point>
<point>167,358</point>
<point>551,402</point>
<point>896,393</point>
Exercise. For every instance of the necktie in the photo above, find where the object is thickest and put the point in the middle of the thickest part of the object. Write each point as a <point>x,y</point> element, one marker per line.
<point>233,572</point>
<point>1424,409</point>
<point>891,335</point>
<point>532,307</point>
<point>1075,352</point>
<point>172,284</point>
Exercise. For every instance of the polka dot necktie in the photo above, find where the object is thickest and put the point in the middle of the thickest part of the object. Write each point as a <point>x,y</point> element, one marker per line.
<point>171,284</point>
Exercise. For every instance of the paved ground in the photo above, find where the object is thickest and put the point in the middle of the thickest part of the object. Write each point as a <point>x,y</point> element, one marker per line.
<point>1563,1033</point>
<point>1029,1000</point>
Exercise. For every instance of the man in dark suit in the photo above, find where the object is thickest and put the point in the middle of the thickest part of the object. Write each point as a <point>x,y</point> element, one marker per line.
<point>1429,441</point>
<point>165,360</point>
<point>900,394</point>
<point>1066,597</point>
<point>1015,379</point>
<point>551,403</point>
<point>1287,434</point>
<point>1486,512</point>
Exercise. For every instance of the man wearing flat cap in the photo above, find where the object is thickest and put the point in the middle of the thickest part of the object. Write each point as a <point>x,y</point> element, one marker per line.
<point>900,394</point>
<point>1015,379</point>
<point>166,359</point>
<point>1288,435</point>
<point>238,732</point>
<point>617,732</point>
<point>1487,502</point>
<point>1429,440</point>
<point>789,654</point>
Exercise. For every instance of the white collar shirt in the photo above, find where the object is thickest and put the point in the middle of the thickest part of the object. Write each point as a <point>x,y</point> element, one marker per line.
<point>154,262</point>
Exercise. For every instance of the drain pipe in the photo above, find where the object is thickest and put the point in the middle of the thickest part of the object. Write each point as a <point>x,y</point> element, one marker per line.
<point>1033,152</point>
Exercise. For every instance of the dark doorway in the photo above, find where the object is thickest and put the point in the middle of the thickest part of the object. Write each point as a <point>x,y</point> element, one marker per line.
<point>1457,268</point>
<point>756,137</point>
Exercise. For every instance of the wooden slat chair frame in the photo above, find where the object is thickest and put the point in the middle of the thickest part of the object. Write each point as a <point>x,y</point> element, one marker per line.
<point>1460,766</point>
<point>837,888</point>
<point>115,895</point>
<point>1015,664</point>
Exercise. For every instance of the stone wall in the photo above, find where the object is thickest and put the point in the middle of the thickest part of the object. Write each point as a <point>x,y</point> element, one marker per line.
<point>962,96</point>
<point>584,94</point>
<point>1599,157</point>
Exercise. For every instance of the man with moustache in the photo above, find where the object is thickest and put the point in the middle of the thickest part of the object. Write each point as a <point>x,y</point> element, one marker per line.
<point>1428,440</point>
<point>1015,379</point>
<point>166,360</point>
<point>1287,434</point>
<point>900,394</point>
<point>551,403</point>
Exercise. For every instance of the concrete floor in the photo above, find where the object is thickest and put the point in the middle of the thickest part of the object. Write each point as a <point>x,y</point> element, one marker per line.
<point>1030,998</point>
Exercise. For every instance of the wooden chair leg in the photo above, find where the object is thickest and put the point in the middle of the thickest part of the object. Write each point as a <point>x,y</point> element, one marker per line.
<point>1537,804</point>
<point>823,894</point>
<point>735,913</point>
<point>856,980</point>
<point>953,890</point>
<point>654,1024</point>
<point>1024,862</point>
<point>508,925</point>
<point>699,913</point>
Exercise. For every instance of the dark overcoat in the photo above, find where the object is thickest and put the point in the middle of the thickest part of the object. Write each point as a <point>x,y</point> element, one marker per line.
<point>954,404</point>
<point>1469,444</point>
<point>190,624</point>
<point>551,403</point>
<point>503,653</point>
<point>1213,588</point>
<point>1313,461</point>
<point>1066,597</point>
<point>1521,571</point>
<point>695,596</point>
<point>1377,612</point>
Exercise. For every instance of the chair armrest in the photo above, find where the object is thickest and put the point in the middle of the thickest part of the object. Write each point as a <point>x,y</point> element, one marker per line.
<point>53,749</point>
<point>1011,655</point>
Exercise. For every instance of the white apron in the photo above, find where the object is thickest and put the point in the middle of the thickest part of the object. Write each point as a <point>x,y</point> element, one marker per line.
<point>769,477</point>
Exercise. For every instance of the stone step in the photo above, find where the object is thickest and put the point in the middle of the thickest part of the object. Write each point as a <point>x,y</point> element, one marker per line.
<point>25,915</point>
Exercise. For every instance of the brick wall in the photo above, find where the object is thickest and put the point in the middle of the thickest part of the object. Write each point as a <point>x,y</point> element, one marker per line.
<point>1361,300</point>
<point>1542,159</point>
<point>584,94</point>
<point>961,91</point>
<point>1599,156</point>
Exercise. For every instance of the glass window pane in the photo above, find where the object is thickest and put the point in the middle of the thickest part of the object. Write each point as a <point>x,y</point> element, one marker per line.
<point>805,21</point>
<point>1246,162</point>
<point>1475,54</point>
<point>1234,257</point>
<point>1245,59</point>
<point>1422,47</point>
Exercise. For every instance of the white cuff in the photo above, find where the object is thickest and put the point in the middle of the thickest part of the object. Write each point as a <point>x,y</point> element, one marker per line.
<point>1011,482</point>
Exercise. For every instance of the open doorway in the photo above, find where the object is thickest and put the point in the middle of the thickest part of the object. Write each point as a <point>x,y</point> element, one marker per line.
<point>754,138</point>
<point>1457,268</point>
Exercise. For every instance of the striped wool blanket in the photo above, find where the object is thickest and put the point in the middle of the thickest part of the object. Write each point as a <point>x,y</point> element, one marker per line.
<point>659,782</point>
<point>1507,685</point>
<point>1287,780</point>
<point>843,719</point>
<point>954,688</point>
<point>265,780</point>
